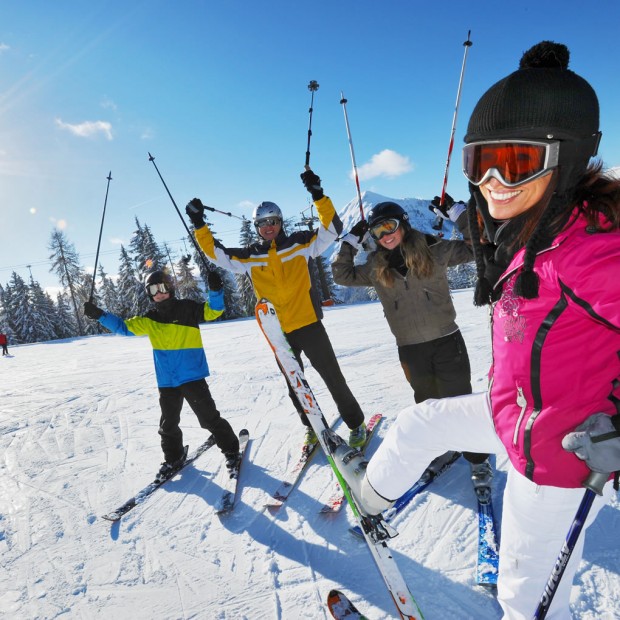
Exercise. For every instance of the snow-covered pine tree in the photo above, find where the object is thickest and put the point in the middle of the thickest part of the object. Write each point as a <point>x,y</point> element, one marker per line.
<point>21,310</point>
<point>147,256</point>
<point>44,313</point>
<point>131,294</point>
<point>107,293</point>
<point>7,325</point>
<point>247,297</point>
<point>65,323</point>
<point>187,285</point>
<point>66,266</point>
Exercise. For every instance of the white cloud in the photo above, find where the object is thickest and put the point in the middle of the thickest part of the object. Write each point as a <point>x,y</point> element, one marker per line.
<point>4,48</point>
<point>87,129</point>
<point>387,163</point>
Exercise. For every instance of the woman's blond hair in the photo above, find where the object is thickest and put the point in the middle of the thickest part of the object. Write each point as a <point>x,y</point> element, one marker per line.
<point>415,252</point>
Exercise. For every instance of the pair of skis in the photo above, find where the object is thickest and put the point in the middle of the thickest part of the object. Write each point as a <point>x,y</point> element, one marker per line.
<point>376,531</point>
<point>229,491</point>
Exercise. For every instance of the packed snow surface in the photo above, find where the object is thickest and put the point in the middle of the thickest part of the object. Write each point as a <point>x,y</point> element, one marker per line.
<point>78,436</point>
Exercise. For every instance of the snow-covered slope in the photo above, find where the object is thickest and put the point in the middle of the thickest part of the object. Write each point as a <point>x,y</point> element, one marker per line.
<point>78,435</point>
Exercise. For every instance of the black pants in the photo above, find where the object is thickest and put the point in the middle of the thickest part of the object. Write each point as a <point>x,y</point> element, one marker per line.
<point>314,342</point>
<point>199,398</point>
<point>438,369</point>
<point>5,349</point>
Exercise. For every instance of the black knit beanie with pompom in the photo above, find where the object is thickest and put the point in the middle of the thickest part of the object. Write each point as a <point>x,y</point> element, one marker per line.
<point>542,100</point>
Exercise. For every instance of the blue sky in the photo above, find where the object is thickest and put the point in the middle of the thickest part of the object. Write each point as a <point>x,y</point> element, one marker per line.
<point>217,92</point>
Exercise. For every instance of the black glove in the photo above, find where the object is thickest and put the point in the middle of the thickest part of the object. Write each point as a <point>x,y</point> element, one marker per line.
<point>359,230</point>
<point>313,184</point>
<point>450,210</point>
<point>597,442</point>
<point>92,311</point>
<point>196,212</point>
<point>441,211</point>
<point>214,281</point>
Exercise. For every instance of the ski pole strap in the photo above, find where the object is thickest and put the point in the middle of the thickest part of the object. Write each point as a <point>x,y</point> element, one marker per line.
<point>605,437</point>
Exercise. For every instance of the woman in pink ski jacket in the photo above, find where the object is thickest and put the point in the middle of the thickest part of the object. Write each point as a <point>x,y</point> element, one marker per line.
<point>545,223</point>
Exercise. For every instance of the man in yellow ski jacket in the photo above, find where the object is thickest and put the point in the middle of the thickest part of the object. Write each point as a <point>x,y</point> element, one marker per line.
<point>278,266</point>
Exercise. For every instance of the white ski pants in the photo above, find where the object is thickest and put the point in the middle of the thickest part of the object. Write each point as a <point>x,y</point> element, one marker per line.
<point>535,519</point>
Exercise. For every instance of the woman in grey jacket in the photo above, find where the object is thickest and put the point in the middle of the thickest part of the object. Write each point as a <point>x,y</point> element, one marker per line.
<point>408,272</point>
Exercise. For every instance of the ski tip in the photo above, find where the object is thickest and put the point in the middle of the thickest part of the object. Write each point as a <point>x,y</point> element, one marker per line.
<point>341,607</point>
<point>111,517</point>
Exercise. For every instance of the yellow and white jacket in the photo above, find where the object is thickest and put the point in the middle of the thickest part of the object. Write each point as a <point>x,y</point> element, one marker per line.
<point>279,269</point>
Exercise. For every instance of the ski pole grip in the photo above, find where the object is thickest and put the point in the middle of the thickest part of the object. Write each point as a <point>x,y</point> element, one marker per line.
<point>596,481</point>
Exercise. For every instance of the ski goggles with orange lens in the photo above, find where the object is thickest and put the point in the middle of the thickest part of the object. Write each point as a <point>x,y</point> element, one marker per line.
<point>153,289</point>
<point>385,227</point>
<point>511,162</point>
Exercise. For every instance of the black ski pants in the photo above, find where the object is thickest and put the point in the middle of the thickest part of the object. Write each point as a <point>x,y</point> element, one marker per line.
<point>314,342</point>
<point>438,369</point>
<point>199,398</point>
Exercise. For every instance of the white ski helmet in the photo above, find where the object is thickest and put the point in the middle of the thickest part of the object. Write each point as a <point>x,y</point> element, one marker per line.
<point>266,209</point>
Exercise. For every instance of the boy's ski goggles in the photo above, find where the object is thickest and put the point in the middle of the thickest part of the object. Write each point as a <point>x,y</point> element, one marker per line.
<point>153,289</point>
<point>511,162</point>
<point>386,227</point>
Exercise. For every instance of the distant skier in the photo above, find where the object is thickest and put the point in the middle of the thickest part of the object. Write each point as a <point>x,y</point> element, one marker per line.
<point>4,343</point>
<point>278,268</point>
<point>408,272</point>
<point>180,363</point>
<point>548,258</point>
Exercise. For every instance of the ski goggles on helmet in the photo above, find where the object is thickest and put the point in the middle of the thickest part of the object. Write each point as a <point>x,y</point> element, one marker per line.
<point>153,289</point>
<point>511,162</point>
<point>385,227</point>
<point>267,221</point>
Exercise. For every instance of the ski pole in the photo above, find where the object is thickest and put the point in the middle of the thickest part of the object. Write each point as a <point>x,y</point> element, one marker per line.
<point>594,484</point>
<point>312,87</point>
<point>343,101</point>
<point>189,234</point>
<point>105,202</point>
<point>438,224</point>
<point>228,213</point>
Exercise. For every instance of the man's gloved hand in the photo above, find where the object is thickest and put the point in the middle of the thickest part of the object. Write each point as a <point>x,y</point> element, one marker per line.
<point>92,311</point>
<point>196,212</point>
<point>313,184</point>
<point>214,281</point>
<point>597,442</point>
<point>450,210</point>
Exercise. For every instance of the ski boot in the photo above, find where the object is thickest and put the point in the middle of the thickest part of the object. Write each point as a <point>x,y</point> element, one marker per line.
<point>351,464</point>
<point>167,470</point>
<point>310,438</point>
<point>357,436</point>
<point>233,459</point>
<point>438,464</point>
<point>481,476</point>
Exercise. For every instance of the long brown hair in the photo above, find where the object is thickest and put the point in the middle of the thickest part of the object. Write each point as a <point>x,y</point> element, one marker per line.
<point>416,255</point>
